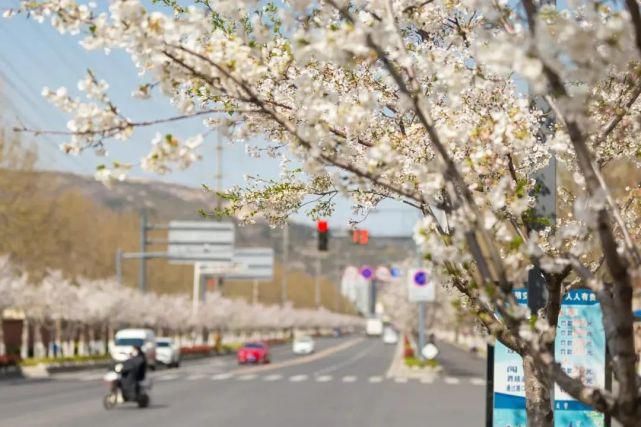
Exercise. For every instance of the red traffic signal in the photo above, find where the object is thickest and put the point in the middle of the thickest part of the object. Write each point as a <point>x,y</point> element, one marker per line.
<point>322,226</point>
<point>360,237</point>
<point>323,235</point>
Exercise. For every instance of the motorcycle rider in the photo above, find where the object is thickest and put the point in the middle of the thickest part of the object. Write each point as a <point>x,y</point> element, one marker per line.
<point>134,371</point>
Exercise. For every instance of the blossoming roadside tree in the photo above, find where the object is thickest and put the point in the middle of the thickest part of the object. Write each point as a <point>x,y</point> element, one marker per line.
<point>420,101</point>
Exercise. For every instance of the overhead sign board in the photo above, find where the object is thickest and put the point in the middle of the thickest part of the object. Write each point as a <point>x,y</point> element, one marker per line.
<point>580,348</point>
<point>196,241</point>
<point>255,264</point>
<point>420,288</point>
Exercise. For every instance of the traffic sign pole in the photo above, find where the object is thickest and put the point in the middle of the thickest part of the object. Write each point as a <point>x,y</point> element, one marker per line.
<point>421,329</point>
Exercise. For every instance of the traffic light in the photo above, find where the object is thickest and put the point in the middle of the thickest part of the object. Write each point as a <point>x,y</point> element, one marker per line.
<point>323,235</point>
<point>360,237</point>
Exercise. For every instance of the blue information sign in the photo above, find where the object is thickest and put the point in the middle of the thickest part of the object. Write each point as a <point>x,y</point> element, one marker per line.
<point>580,348</point>
<point>509,382</point>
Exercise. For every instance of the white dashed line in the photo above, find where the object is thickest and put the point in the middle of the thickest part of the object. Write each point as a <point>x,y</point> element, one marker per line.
<point>349,379</point>
<point>427,380</point>
<point>273,377</point>
<point>477,381</point>
<point>219,377</point>
<point>247,377</point>
<point>400,380</point>
<point>375,379</point>
<point>451,380</point>
<point>168,377</point>
<point>298,378</point>
<point>323,378</point>
<point>194,377</point>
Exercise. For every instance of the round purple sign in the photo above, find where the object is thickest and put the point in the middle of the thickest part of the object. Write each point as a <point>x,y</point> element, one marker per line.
<point>367,272</point>
<point>420,278</point>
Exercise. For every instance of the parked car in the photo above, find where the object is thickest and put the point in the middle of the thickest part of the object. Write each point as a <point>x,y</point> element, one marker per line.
<point>390,336</point>
<point>303,345</point>
<point>126,339</point>
<point>374,327</point>
<point>167,352</point>
<point>253,352</point>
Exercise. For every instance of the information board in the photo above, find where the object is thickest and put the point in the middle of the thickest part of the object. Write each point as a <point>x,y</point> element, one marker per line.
<point>580,348</point>
<point>509,381</point>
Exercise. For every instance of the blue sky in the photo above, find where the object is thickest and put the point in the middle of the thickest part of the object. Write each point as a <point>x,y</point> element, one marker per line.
<point>34,55</point>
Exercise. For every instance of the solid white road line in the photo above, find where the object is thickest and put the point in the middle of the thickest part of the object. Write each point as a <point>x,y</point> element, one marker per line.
<point>298,378</point>
<point>477,381</point>
<point>323,378</point>
<point>400,380</point>
<point>273,377</point>
<point>349,379</point>
<point>375,379</point>
<point>219,377</point>
<point>246,377</point>
<point>451,380</point>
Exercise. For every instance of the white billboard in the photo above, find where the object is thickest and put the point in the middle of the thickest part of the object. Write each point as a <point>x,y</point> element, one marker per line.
<point>252,264</point>
<point>195,241</point>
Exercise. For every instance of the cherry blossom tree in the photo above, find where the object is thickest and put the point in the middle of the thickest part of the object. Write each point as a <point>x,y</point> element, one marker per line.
<point>436,104</point>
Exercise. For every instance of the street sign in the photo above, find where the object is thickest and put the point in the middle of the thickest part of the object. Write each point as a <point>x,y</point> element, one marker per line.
<point>420,288</point>
<point>219,268</point>
<point>196,241</point>
<point>256,264</point>
<point>580,348</point>
<point>396,272</point>
<point>367,272</point>
<point>383,274</point>
<point>509,381</point>
<point>429,351</point>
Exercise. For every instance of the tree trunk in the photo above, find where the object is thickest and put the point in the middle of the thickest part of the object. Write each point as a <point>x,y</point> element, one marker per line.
<point>24,347</point>
<point>38,345</point>
<point>92,340</point>
<point>538,392</point>
<point>2,346</point>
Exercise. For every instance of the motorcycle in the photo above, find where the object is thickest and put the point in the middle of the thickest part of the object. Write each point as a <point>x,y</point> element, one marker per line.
<point>115,393</point>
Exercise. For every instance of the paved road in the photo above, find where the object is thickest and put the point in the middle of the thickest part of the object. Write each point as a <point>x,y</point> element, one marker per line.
<point>343,384</point>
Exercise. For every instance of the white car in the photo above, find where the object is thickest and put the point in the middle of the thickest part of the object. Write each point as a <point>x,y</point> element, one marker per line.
<point>167,352</point>
<point>390,336</point>
<point>303,345</point>
<point>125,341</point>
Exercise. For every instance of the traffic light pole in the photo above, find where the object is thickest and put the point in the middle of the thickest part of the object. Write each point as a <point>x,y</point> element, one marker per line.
<point>317,295</point>
<point>142,274</point>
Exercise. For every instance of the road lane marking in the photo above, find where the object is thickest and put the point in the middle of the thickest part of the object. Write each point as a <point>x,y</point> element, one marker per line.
<point>427,380</point>
<point>375,379</point>
<point>247,377</point>
<point>400,380</point>
<point>93,377</point>
<point>349,379</point>
<point>194,377</point>
<point>451,380</point>
<point>273,377</point>
<point>477,381</point>
<point>342,364</point>
<point>298,378</point>
<point>219,377</point>
<point>300,360</point>
<point>168,377</point>
<point>323,378</point>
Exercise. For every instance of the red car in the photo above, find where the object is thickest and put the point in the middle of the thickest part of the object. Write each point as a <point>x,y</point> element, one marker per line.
<point>253,352</point>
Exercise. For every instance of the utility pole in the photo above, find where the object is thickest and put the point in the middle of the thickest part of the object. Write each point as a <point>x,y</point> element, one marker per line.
<point>255,292</point>
<point>119,266</point>
<point>142,274</point>
<point>317,294</point>
<point>283,283</point>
